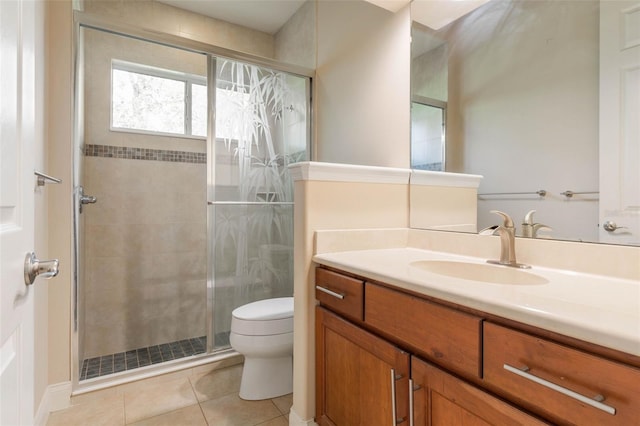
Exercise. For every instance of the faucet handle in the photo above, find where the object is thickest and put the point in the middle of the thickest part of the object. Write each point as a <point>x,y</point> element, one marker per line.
<point>507,221</point>
<point>528,218</point>
<point>539,227</point>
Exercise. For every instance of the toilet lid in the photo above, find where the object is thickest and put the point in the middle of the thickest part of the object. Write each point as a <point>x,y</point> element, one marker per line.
<point>264,317</point>
<point>267,309</point>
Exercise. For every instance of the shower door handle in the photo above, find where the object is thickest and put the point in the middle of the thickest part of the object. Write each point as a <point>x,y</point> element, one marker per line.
<point>88,199</point>
<point>85,199</point>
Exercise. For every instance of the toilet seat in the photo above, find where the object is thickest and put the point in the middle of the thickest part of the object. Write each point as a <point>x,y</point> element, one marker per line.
<point>264,317</point>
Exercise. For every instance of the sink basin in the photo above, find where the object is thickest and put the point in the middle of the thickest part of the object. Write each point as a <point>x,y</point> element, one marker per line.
<point>486,273</point>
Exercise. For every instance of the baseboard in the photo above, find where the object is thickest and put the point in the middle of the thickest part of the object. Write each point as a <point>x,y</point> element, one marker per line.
<point>42,414</point>
<point>56,397</point>
<point>296,420</point>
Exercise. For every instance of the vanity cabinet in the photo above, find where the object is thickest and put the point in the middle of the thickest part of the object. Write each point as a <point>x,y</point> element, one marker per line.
<point>361,379</point>
<point>391,357</point>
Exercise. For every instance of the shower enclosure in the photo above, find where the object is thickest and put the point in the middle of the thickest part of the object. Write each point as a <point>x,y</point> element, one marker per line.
<point>184,205</point>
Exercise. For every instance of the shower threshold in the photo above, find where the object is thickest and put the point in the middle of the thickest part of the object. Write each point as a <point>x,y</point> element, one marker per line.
<point>142,357</point>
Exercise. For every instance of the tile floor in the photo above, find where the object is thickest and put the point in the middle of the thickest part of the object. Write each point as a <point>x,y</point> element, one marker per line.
<point>193,397</point>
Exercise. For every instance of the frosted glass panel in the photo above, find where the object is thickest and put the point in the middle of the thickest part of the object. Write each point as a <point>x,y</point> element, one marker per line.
<point>253,258</point>
<point>261,128</point>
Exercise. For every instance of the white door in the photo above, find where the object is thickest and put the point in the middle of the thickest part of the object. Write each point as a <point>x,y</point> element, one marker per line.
<point>17,182</point>
<point>619,123</point>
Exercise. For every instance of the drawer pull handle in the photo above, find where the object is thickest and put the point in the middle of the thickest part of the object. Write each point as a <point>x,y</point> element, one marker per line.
<point>329,292</point>
<point>594,402</point>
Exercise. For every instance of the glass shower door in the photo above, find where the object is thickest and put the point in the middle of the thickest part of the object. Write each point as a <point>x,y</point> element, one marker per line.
<point>142,283</point>
<point>261,127</point>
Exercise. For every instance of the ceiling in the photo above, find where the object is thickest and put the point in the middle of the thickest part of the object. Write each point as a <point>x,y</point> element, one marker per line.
<point>270,15</point>
<point>263,15</point>
<point>439,13</point>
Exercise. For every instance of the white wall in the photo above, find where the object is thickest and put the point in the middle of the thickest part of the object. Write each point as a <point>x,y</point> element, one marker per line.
<point>295,42</point>
<point>429,71</point>
<point>362,84</point>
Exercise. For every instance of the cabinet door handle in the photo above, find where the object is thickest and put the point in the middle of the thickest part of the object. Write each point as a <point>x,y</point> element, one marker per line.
<point>394,409</point>
<point>412,389</point>
<point>594,402</point>
<point>329,292</point>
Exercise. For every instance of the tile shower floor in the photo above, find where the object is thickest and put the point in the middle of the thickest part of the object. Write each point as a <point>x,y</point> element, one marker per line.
<point>197,397</point>
<point>122,361</point>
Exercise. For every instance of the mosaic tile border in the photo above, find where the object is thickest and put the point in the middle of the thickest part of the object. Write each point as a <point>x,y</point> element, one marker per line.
<point>129,153</point>
<point>122,361</point>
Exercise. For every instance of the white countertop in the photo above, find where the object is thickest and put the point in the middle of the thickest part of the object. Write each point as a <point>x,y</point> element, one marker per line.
<point>593,308</point>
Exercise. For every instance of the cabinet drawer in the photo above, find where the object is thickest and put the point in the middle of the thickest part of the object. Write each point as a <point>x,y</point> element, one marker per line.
<point>554,368</point>
<point>442,399</point>
<point>443,335</point>
<point>340,293</point>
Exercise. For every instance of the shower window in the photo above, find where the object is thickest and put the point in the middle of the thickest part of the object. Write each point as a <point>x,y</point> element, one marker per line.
<point>154,100</point>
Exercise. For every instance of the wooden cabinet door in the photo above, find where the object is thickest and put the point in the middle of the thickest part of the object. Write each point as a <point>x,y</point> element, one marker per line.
<point>442,399</point>
<point>356,373</point>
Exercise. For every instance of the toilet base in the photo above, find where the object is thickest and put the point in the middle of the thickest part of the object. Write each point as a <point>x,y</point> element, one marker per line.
<point>265,378</point>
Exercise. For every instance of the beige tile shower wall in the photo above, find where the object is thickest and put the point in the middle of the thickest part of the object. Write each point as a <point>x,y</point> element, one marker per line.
<point>145,253</point>
<point>153,15</point>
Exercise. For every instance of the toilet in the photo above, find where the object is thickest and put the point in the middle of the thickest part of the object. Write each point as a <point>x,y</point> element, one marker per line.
<point>262,331</point>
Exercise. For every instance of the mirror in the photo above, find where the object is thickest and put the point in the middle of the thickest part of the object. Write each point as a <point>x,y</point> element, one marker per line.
<point>532,99</point>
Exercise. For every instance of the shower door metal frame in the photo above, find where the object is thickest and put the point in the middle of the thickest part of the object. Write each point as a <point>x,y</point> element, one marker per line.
<point>85,20</point>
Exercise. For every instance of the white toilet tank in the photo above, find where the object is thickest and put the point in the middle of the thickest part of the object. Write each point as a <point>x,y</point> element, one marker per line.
<point>264,317</point>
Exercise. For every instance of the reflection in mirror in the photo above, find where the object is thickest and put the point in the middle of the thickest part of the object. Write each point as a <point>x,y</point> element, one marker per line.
<point>428,100</point>
<point>427,134</point>
<point>541,98</point>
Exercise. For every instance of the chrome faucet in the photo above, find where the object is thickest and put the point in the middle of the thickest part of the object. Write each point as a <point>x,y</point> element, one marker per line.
<point>530,229</point>
<point>507,234</point>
